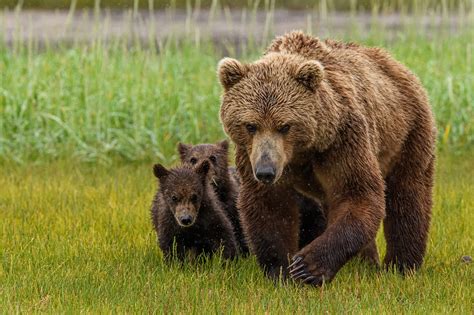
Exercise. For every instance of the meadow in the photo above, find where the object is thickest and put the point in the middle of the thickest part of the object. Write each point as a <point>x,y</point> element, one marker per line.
<point>81,125</point>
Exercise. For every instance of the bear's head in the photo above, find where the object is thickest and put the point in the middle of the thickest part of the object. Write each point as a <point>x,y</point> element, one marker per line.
<point>183,189</point>
<point>215,154</point>
<point>273,109</point>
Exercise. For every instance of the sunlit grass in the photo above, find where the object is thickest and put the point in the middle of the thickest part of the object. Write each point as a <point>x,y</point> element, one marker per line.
<point>78,237</point>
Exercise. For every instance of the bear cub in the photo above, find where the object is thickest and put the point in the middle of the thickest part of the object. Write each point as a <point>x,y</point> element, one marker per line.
<point>224,182</point>
<point>187,216</point>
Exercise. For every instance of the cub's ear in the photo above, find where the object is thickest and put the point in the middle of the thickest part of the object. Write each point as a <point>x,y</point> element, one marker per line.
<point>203,168</point>
<point>224,145</point>
<point>160,171</point>
<point>183,150</point>
<point>310,74</point>
<point>230,72</point>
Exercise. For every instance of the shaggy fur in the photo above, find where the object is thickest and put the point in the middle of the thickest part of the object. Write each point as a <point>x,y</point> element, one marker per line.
<point>223,182</point>
<point>186,192</point>
<point>342,123</point>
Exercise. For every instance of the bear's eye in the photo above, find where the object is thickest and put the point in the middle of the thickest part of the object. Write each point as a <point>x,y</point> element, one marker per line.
<point>284,129</point>
<point>251,128</point>
<point>174,198</point>
<point>213,159</point>
<point>194,198</point>
<point>193,161</point>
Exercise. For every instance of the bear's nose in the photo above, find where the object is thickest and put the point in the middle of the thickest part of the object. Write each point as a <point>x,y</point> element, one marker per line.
<point>186,219</point>
<point>265,174</point>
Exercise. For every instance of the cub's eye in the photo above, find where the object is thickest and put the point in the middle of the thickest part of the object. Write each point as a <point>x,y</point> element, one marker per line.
<point>174,198</point>
<point>284,129</point>
<point>194,198</point>
<point>193,161</point>
<point>251,128</point>
<point>213,159</point>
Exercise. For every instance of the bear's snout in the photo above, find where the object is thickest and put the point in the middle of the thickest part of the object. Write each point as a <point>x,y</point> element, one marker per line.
<point>265,173</point>
<point>268,157</point>
<point>186,220</point>
<point>185,215</point>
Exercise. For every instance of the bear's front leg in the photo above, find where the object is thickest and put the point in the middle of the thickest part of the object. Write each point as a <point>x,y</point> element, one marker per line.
<point>354,224</point>
<point>356,207</point>
<point>271,225</point>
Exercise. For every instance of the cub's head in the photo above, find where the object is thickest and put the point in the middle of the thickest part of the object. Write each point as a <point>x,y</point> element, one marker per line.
<point>215,154</point>
<point>183,189</point>
<point>269,109</point>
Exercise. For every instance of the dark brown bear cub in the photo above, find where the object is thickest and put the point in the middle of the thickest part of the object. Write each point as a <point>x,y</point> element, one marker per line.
<point>221,179</point>
<point>186,214</point>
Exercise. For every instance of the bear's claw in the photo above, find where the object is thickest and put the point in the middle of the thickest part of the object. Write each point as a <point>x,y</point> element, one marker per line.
<point>296,260</point>
<point>300,272</point>
<point>309,280</point>
<point>298,269</point>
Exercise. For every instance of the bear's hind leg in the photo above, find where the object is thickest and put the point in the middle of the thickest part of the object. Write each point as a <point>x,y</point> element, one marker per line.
<point>408,206</point>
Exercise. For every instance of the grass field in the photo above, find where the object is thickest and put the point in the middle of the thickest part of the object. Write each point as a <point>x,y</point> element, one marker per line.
<point>80,128</point>
<point>78,237</point>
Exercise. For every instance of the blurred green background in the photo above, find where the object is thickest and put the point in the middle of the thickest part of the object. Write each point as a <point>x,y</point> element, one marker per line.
<point>365,5</point>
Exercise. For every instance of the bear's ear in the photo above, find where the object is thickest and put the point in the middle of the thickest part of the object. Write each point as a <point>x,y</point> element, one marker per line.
<point>230,72</point>
<point>310,74</point>
<point>183,150</point>
<point>160,171</point>
<point>224,145</point>
<point>203,168</point>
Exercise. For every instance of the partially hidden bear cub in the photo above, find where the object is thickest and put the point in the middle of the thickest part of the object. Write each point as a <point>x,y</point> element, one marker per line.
<point>187,216</point>
<point>220,176</point>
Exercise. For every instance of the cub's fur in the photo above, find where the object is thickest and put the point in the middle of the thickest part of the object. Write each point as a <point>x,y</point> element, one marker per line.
<point>186,212</point>
<point>219,176</point>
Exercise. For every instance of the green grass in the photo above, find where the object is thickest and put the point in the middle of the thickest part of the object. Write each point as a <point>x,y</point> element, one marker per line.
<point>78,238</point>
<point>101,102</point>
<point>98,103</point>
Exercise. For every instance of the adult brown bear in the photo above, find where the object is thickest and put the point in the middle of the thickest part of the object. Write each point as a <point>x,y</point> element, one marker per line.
<point>345,124</point>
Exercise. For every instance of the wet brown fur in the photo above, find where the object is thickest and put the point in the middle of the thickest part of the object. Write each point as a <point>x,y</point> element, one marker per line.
<point>219,176</point>
<point>211,228</point>
<point>362,141</point>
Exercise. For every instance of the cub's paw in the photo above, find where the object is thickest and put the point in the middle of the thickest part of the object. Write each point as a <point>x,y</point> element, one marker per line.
<point>305,270</point>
